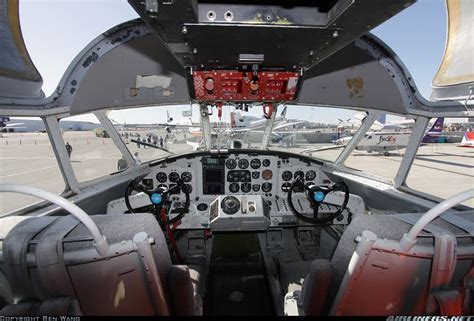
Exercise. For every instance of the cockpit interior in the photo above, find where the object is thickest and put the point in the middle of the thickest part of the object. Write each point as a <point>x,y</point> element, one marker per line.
<point>260,214</point>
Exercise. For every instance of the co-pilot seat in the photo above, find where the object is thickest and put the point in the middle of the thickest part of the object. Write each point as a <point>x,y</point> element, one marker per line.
<point>51,267</point>
<point>360,280</point>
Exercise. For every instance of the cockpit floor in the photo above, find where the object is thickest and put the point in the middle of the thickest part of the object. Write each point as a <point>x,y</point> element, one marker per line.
<point>237,284</point>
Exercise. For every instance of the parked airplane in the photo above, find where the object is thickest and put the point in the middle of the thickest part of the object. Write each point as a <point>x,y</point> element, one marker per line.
<point>5,127</point>
<point>385,141</point>
<point>434,135</point>
<point>380,124</point>
<point>244,123</point>
<point>467,140</point>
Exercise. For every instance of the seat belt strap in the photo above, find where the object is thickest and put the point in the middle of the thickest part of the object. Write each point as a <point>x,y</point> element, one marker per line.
<point>15,250</point>
<point>50,257</point>
<point>448,302</point>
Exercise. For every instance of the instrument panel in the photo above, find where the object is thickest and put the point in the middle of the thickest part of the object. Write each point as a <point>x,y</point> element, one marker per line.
<point>209,176</point>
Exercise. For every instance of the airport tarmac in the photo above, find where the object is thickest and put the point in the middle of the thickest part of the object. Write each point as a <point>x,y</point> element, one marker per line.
<point>27,158</point>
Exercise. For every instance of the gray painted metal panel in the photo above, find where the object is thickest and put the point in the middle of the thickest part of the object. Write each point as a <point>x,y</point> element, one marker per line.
<point>112,81</point>
<point>362,75</point>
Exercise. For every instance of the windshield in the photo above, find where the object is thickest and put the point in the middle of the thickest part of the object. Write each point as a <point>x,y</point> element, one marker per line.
<point>156,132</point>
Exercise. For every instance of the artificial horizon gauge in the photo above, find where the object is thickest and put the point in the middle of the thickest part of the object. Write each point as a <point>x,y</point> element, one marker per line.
<point>255,163</point>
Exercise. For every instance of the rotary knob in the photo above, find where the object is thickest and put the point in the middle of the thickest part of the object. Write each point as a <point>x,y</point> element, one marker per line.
<point>209,85</point>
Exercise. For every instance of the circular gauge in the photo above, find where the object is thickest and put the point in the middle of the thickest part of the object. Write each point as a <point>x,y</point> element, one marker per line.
<point>231,163</point>
<point>234,188</point>
<point>267,174</point>
<point>255,175</point>
<point>266,162</point>
<point>243,163</point>
<point>255,163</point>
<point>310,175</point>
<point>188,189</point>
<point>186,176</point>
<point>286,176</point>
<point>286,187</point>
<point>299,174</point>
<point>161,177</point>
<point>266,187</point>
<point>173,177</point>
<point>246,187</point>
<point>255,187</point>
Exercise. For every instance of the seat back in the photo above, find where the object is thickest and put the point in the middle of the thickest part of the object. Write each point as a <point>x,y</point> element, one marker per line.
<point>374,276</point>
<point>53,257</point>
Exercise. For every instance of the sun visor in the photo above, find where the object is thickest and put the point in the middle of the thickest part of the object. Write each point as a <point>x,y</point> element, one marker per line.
<point>364,74</point>
<point>455,77</point>
<point>18,76</point>
<point>137,72</point>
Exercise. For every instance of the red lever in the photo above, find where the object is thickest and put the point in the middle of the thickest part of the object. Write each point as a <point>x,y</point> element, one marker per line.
<point>219,110</point>
<point>268,111</point>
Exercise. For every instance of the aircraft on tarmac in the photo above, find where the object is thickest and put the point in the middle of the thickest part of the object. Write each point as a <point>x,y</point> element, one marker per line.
<point>386,141</point>
<point>5,127</point>
<point>467,140</point>
<point>380,124</point>
<point>241,123</point>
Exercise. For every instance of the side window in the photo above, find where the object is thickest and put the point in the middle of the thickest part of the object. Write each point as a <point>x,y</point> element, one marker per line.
<point>444,163</point>
<point>26,157</point>
<point>382,148</point>
<point>91,150</point>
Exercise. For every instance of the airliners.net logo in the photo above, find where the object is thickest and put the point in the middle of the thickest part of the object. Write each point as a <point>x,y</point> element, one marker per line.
<point>430,318</point>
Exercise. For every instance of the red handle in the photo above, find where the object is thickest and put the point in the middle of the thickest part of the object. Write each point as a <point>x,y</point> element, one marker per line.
<point>268,111</point>
<point>219,110</point>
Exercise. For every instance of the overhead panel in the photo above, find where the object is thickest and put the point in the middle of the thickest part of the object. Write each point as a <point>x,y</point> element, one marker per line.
<point>290,35</point>
<point>234,43</point>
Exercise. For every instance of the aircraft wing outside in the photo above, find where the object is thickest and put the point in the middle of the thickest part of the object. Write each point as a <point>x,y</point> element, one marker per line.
<point>287,124</point>
<point>15,124</point>
<point>320,149</point>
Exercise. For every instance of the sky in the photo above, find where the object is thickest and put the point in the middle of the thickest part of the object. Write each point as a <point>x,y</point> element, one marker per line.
<point>55,31</point>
